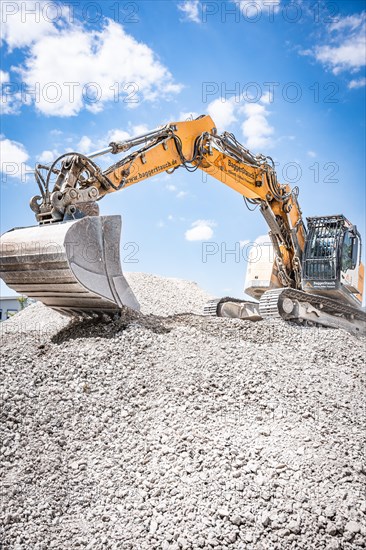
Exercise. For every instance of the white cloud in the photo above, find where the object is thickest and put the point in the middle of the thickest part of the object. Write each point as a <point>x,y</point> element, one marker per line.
<point>139,129</point>
<point>350,22</point>
<point>349,55</point>
<point>267,98</point>
<point>10,101</point>
<point>47,156</point>
<point>244,243</point>
<point>256,128</point>
<point>357,83</point>
<point>10,104</point>
<point>117,135</point>
<point>255,9</point>
<point>14,158</point>
<point>190,8</point>
<point>312,154</point>
<point>263,239</point>
<point>345,47</point>
<point>222,112</point>
<point>201,230</point>
<point>85,145</point>
<point>182,194</point>
<point>253,109</point>
<point>171,187</point>
<point>4,77</point>
<point>24,21</point>
<point>74,68</point>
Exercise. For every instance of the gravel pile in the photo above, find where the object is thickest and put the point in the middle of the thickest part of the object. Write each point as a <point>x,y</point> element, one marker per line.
<point>35,319</point>
<point>156,295</point>
<point>181,432</point>
<point>167,296</point>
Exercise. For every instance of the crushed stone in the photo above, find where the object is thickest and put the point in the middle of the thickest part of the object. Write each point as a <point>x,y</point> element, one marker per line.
<point>166,295</point>
<point>168,430</point>
<point>157,295</point>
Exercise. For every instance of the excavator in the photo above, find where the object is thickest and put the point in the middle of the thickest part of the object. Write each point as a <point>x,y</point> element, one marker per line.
<point>70,259</point>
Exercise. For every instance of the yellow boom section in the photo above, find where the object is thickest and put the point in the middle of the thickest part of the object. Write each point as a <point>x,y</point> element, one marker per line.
<point>160,155</point>
<point>197,144</point>
<point>193,144</point>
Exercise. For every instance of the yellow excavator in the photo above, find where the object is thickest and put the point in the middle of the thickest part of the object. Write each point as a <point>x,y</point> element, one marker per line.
<point>70,260</point>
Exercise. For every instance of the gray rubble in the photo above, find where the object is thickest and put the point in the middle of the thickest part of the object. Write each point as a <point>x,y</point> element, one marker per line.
<point>167,295</point>
<point>167,430</point>
<point>157,295</point>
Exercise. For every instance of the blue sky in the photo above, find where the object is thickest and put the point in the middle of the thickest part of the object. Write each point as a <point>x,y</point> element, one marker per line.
<point>287,78</point>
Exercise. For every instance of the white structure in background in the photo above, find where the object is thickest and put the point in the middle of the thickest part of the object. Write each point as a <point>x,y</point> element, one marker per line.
<point>9,305</point>
<point>260,263</point>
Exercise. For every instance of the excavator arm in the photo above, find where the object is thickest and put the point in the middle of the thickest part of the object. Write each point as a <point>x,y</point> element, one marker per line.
<point>196,145</point>
<point>193,145</point>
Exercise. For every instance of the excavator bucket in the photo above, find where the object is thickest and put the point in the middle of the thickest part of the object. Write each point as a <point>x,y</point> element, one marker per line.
<point>73,267</point>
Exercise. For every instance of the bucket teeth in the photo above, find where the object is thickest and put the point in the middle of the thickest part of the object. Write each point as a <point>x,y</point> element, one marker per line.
<point>73,267</point>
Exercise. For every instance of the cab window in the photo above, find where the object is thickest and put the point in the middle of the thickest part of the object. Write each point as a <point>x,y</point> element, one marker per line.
<point>347,262</point>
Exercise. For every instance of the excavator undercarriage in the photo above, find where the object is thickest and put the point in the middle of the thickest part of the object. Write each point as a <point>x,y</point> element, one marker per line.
<point>293,306</point>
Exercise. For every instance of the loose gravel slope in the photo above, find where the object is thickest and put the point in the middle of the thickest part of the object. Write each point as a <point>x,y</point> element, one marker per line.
<point>168,430</point>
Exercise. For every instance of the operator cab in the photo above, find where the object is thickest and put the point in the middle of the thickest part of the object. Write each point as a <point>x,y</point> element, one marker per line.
<point>332,259</point>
